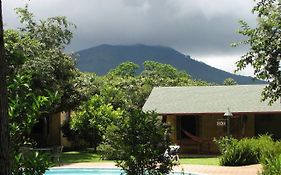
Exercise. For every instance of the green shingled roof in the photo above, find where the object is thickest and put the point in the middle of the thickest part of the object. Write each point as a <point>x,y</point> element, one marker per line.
<point>208,99</point>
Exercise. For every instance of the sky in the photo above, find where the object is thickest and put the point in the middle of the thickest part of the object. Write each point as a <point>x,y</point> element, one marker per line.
<point>203,29</point>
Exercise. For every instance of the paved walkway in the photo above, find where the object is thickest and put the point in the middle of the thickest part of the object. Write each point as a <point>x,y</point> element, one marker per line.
<point>205,169</point>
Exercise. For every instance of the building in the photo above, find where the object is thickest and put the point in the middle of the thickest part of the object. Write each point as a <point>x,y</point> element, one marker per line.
<point>47,132</point>
<point>197,113</point>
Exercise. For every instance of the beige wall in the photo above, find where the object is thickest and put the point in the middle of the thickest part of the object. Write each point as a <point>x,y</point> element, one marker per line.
<point>54,130</point>
<point>55,136</point>
<point>172,121</point>
<point>63,140</point>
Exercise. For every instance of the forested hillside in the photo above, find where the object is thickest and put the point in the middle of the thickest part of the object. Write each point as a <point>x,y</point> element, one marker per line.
<point>102,58</point>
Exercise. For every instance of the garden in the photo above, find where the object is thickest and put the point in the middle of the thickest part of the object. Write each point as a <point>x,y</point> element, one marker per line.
<point>106,114</point>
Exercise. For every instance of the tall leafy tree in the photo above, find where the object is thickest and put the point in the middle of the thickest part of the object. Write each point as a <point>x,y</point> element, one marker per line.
<point>5,166</point>
<point>36,49</point>
<point>42,79</point>
<point>124,88</point>
<point>265,46</point>
<point>126,69</point>
<point>91,120</point>
<point>229,82</point>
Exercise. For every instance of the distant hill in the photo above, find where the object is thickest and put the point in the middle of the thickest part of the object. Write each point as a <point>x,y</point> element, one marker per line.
<point>102,58</point>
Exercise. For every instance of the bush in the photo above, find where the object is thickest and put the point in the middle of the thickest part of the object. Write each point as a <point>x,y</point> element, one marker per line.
<point>29,162</point>
<point>90,121</point>
<point>138,144</point>
<point>271,160</point>
<point>272,166</point>
<point>246,151</point>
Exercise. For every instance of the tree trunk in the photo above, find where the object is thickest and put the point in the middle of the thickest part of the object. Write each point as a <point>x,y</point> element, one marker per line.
<point>5,165</point>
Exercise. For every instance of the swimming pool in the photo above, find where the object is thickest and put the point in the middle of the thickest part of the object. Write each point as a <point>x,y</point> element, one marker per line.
<point>92,171</point>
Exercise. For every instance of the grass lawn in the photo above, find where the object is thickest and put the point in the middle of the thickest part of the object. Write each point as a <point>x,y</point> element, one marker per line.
<point>79,157</point>
<point>200,160</point>
<point>76,157</point>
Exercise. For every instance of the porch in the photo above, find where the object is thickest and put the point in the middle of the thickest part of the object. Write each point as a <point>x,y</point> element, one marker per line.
<point>195,133</point>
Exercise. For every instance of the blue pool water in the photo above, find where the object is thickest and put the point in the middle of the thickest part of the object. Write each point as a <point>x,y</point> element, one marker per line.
<point>92,171</point>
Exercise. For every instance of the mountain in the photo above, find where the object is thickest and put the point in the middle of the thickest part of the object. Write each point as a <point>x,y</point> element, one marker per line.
<point>102,58</point>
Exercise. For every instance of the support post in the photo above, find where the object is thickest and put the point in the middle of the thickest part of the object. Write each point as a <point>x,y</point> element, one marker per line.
<point>228,115</point>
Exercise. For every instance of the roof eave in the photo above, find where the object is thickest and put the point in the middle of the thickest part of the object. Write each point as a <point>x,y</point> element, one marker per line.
<point>221,113</point>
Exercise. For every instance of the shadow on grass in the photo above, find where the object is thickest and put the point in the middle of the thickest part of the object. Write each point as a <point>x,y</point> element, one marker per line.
<point>88,156</point>
<point>80,157</point>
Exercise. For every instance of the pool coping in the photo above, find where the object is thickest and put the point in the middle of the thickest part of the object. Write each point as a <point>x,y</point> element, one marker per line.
<point>197,169</point>
<point>187,173</point>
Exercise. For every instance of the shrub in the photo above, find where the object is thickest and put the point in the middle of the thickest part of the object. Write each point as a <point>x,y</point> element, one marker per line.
<point>266,147</point>
<point>236,153</point>
<point>271,160</point>
<point>30,162</point>
<point>90,121</point>
<point>272,166</point>
<point>245,151</point>
<point>139,143</point>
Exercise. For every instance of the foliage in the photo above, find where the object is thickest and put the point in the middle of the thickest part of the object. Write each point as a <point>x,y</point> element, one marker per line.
<point>126,69</point>
<point>30,163</point>
<point>138,143</point>
<point>271,160</point>
<point>5,157</point>
<point>272,167</point>
<point>91,120</point>
<point>246,151</point>
<point>36,50</point>
<point>87,84</point>
<point>53,32</point>
<point>120,90</point>
<point>265,46</point>
<point>237,153</point>
<point>229,82</point>
<point>124,89</point>
<point>42,79</point>
<point>24,108</point>
<point>157,74</point>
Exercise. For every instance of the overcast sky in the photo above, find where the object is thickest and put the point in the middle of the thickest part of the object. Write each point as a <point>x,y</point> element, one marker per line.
<point>203,29</point>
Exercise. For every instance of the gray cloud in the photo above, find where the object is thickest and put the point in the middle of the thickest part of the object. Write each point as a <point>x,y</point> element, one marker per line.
<point>198,27</point>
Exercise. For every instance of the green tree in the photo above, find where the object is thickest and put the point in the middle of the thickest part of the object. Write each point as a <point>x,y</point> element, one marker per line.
<point>41,43</point>
<point>265,46</point>
<point>25,107</point>
<point>125,69</point>
<point>229,82</point>
<point>138,142</point>
<point>132,91</point>
<point>42,79</point>
<point>53,32</point>
<point>91,120</point>
<point>157,74</point>
<point>5,160</point>
<point>123,90</point>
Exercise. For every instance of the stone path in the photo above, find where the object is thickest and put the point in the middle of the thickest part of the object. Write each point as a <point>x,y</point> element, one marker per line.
<point>205,169</point>
<point>221,170</point>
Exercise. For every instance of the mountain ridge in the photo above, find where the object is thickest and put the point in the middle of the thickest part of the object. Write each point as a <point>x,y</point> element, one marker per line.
<point>100,59</point>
